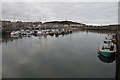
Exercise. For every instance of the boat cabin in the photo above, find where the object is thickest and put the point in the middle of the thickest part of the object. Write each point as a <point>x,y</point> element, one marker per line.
<point>109,47</point>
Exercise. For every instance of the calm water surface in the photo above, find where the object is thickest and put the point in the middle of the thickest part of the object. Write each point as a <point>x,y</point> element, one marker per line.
<point>69,56</point>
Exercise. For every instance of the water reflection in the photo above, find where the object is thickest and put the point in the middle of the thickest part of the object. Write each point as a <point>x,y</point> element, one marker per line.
<point>106,59</point>
<point>6,38</point>
<point>69,56</point>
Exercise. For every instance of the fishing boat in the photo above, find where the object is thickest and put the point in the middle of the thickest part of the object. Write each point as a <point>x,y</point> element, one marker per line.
<point>112,38</point>
<point>35,32</point>
<point>15,33</point>
<point>39,32</point>
<point>107,49</point>
<point>28,32</point>
<point>23,32</point>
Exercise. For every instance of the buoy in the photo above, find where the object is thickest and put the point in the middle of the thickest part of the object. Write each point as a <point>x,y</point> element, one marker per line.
<point>98,51</point>
<point>114,42</point>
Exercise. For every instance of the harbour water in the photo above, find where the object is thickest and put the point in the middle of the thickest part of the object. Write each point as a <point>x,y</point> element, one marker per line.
<point>69,56</point>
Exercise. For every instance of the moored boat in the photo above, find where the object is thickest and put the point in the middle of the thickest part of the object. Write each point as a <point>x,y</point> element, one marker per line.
<point>39,32</point>
<point>15,33</point>
<point>107,48</point>
<point>111,37</point>
<point>23,32</point>
<point>28,32</point>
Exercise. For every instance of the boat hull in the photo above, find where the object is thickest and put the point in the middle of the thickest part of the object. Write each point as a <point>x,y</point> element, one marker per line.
<point>106,54</point>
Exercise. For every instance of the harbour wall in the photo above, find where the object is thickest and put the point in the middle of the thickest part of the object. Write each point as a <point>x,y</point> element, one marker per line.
<point>118,57</point>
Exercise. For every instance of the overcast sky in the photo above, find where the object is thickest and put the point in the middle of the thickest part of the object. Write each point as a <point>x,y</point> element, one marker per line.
<point>84,12</point>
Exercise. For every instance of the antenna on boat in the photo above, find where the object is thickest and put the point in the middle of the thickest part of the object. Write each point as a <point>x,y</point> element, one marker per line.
<point>14,22</point>
<point>14,17</point>
<point>45,21</point>
<point>45,18</point>
<point>40,19</point>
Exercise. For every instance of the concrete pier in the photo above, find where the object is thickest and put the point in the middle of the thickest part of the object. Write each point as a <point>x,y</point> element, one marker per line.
<point>118,46</point>
<point>118,57</point>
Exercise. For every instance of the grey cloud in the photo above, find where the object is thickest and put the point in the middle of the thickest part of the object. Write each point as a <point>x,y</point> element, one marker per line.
<point>87,12</point>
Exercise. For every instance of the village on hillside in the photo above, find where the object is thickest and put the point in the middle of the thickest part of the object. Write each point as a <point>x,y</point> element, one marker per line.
<point>9,26</point>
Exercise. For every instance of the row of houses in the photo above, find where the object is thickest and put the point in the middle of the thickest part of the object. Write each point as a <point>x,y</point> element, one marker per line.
<point>8,25</point>
<point>58,24</point>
